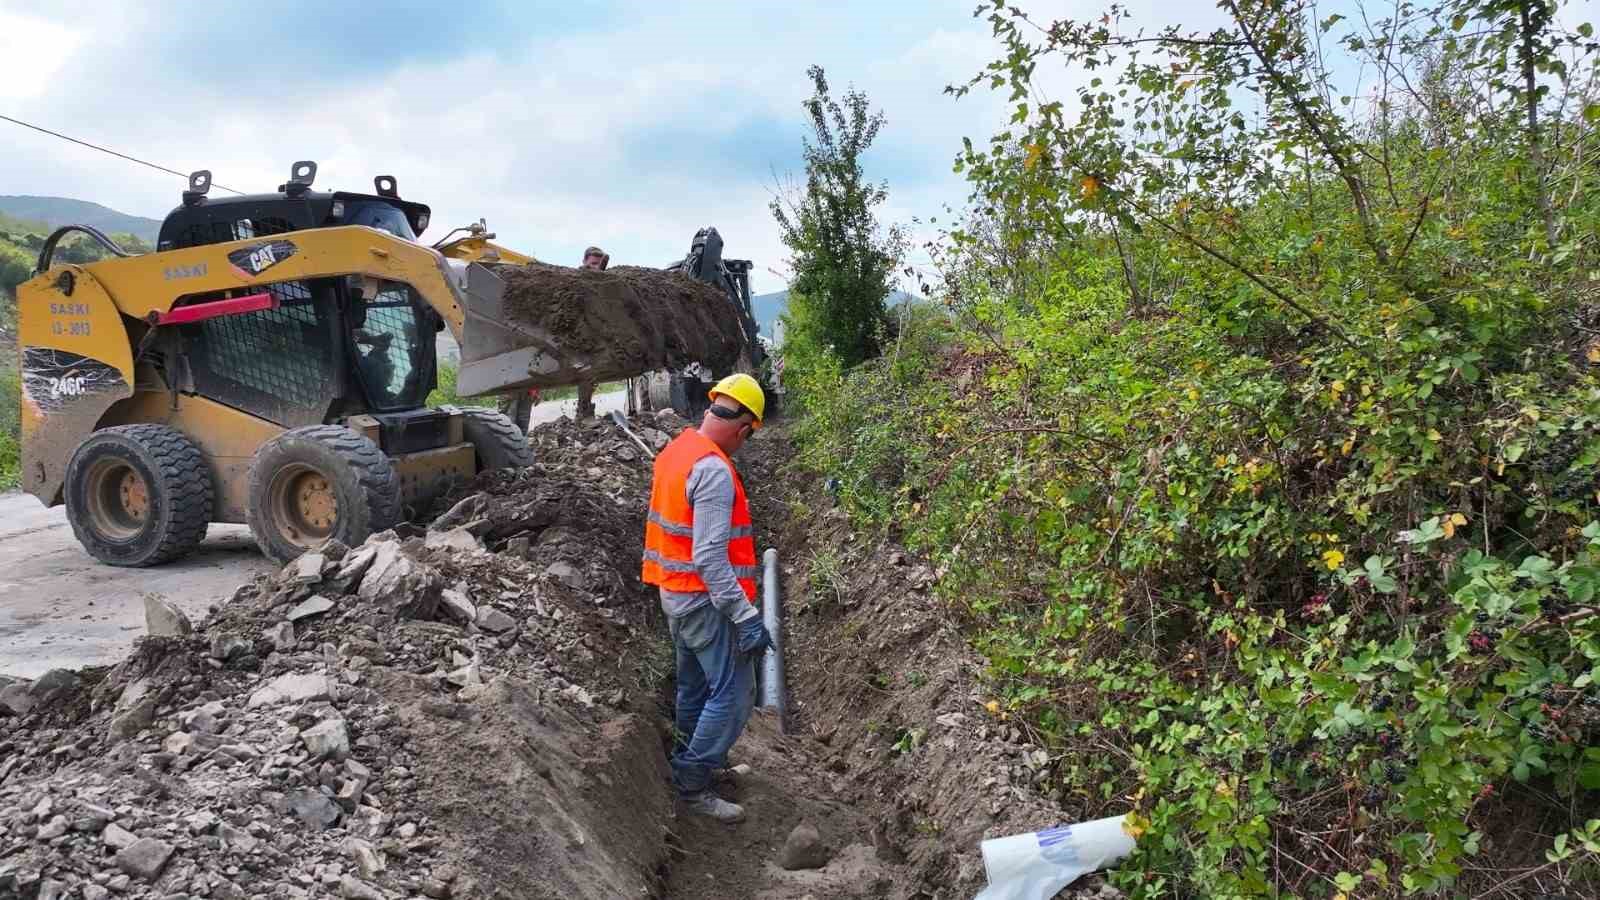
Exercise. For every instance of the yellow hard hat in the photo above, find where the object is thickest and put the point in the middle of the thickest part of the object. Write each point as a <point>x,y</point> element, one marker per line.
<point>746,390</point>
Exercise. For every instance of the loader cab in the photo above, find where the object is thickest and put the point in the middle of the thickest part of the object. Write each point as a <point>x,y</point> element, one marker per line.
<point>330,347</point>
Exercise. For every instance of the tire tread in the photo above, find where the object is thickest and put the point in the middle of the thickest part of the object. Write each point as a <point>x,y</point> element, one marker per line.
<point>504,433</point>
<point>373,470</point>
<point>185,479</point>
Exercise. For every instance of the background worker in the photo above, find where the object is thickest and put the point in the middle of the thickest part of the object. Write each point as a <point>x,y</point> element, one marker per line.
<point>700,550</point>
<point>519,407</point>
<point>596,259</point>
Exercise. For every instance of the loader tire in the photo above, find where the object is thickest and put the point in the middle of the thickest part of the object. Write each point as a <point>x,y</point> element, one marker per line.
<point>319,482</point>
<point>138,495</point>
<point>499,443</point>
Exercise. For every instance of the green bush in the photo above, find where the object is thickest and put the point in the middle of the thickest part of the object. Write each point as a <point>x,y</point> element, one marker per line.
<point>444,392</point>
<point>1265,474</point>
<point>10,437</point>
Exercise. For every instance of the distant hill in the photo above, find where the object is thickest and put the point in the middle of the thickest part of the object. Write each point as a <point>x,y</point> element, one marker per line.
<point>768,307</point>
<point>58,211</point>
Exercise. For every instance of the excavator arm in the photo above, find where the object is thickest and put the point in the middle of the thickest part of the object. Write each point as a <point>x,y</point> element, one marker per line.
<point>478,246</point>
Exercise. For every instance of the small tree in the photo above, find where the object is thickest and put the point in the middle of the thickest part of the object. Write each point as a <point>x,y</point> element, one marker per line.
<point>843,262</point>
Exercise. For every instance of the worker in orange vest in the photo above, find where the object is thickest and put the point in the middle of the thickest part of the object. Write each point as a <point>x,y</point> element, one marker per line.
<point>700,551</point>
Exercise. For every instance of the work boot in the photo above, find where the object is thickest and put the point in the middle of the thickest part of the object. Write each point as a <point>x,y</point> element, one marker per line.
<point>707,803</point>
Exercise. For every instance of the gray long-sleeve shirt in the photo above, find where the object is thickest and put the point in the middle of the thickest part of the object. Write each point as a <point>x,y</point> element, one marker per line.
<point>710,490</point>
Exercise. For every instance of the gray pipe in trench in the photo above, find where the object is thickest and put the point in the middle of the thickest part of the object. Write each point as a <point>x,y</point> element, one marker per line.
<point>772,692</point>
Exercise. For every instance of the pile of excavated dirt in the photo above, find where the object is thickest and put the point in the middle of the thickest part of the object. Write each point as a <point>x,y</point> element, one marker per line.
<point>469,710</point>
<point>626,320</point>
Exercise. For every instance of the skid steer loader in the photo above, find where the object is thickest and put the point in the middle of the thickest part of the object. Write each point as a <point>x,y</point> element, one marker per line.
<point>268,365</point>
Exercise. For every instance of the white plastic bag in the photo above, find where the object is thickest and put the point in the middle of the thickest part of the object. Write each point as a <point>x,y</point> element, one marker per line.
<point>1034,866</point>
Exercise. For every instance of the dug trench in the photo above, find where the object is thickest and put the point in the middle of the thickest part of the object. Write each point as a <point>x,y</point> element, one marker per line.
<point>478,709</point>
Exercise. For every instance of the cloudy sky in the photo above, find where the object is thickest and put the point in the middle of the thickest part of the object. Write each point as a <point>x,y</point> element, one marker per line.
<point>626,124</point>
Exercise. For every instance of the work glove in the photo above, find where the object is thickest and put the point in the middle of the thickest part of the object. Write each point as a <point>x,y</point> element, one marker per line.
<point>753,635</point>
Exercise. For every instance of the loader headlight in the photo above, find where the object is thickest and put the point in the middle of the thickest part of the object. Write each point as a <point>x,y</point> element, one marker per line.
<point>338,209</point>
<point>422,223</point>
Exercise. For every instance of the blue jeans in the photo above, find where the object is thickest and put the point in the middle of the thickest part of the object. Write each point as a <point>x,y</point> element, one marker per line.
<point>716,692</point>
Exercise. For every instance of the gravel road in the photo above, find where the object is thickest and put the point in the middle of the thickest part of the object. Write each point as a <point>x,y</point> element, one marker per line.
<point>59,608</point>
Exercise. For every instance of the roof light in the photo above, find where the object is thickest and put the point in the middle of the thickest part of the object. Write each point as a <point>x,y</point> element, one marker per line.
<point>338,209</point>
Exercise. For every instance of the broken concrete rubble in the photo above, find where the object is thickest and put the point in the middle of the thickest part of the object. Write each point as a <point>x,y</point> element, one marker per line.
<point>280,636</point>
<point>145,858</point>
<point>313,807</point>
<point>455,539</point>
<point>315,605</point>
<point>117,837</point>
<point>494,621</point>
<point>306,569</point>
<point>291,687</point>
<point>327,739</point>
<point>457,607</point>
<point>400,584</point>
<point>15,698</point>
<point>567,574</point>
<point>230,647</point>
<point>131,721</point>
<point>442,694</point>
<point>162,618</point>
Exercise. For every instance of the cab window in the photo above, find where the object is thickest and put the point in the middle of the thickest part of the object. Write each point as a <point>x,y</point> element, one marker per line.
<point>381,216</point>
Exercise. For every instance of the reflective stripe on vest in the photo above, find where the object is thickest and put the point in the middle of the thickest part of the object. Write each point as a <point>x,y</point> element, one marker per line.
<point>669,528</point>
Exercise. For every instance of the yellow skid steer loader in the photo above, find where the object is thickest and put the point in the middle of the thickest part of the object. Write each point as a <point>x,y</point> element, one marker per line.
<point>268,364</point>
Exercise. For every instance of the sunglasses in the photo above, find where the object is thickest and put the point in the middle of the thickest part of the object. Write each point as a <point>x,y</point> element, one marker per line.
<point>730,415</point>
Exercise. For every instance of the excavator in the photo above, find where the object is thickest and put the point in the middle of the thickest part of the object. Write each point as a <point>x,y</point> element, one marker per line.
<point>268,364</point>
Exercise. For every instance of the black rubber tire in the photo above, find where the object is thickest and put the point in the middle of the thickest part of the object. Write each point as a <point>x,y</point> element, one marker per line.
<point>177,484</point>
<point>361,478</point>
<point>499,443</point>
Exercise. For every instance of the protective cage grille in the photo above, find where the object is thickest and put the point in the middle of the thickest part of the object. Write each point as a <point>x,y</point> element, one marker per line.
<point>393,355</point>
<point>277,363</point>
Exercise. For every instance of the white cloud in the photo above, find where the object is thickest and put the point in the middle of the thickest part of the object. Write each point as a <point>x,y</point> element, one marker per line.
<point>624,137</point>
<point>34,51</point>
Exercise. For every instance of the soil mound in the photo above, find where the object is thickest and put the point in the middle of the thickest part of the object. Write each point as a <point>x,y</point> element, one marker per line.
<point>625,320</point>
<point>467,710</point>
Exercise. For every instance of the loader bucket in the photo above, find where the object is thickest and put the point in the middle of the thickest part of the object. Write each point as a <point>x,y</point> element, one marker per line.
<point>497,355</point>
<point>547,326</point>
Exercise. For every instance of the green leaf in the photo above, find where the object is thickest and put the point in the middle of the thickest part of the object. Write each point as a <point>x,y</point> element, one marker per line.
<point>1380,581</point>
<point>1586,29</point>
<point>1589,775</point>
<point>1591,112</point>
<point>1537,569</point>
<point>1426,533</point>
<point>1458,23</point>
<point>1348,716</point>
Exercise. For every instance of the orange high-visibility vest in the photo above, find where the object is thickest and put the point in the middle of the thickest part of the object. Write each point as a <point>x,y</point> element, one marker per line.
<point>669,529</point>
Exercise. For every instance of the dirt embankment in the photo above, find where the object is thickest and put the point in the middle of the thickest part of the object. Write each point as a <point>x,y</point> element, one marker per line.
<point>888,699</point>
<point>465,711</point>
<point>478,710</point>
